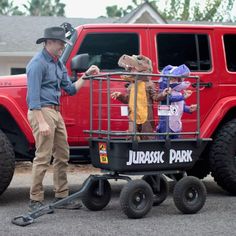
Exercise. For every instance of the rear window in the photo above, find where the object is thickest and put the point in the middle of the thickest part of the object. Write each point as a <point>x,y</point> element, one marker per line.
<point>230,45</point>
<point>105,49</point>
<point>189,49</point>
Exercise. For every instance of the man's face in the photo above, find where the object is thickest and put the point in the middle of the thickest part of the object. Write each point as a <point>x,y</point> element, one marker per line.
<point>55,47</point>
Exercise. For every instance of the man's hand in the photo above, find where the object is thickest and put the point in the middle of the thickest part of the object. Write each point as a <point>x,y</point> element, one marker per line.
<point>92,70</point>
<point>44,128</point>
<point>115,95</point>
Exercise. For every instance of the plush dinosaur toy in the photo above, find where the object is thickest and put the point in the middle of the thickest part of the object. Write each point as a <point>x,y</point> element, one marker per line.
<point>177,98</point>
<point>146,94</point>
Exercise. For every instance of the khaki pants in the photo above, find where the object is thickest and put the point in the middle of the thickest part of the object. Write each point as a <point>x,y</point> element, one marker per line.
<point>55,145</point>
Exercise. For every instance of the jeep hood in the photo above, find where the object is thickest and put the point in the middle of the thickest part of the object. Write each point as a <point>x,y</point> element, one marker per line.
<point>13,80</point>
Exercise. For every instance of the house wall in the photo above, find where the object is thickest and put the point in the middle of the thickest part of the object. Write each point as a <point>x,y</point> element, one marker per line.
<point>6,63</point>
<point>145,18</point>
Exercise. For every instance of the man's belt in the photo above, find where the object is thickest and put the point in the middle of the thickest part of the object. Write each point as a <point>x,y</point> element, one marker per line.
<point>54,107</point>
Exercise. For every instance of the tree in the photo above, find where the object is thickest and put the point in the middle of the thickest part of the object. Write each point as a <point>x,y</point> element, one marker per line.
<point>7,8</point>
<point>114,11</point>
<point>45,8</point>
<point>185,10</point>
<point>209,10</point>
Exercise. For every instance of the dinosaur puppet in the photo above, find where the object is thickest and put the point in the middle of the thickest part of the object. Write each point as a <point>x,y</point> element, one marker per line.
<point>146,94</point>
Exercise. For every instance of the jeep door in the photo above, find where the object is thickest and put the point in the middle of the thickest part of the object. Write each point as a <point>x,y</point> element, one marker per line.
<point>194,47</point>
<point>105,45</point>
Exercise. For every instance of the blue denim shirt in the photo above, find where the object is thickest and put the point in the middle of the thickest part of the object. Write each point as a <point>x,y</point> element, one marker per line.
<point>45,79</point>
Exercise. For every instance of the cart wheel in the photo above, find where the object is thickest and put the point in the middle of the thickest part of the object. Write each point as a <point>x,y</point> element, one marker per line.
<point>161,193</point>
<point>136,198</point>
<point>189,195</point>
<point>98,195</point>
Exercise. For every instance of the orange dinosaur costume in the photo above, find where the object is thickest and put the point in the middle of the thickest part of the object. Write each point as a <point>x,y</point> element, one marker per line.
<point>146,94</point>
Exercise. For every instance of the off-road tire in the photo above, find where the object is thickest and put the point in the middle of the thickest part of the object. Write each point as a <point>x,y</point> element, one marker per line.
<point>136,199</point>
<point>93,200</point>
<point>7,162</point>
<point>223,157</point>
<point>189,195</point>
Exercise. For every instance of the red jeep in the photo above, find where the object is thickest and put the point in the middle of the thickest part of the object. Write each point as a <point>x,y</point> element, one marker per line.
<point>207,50</point>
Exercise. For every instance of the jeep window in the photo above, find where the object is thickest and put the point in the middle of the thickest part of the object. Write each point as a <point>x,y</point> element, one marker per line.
<point>230,45</point>
<point>17,71</point>
<point>189,49</point>
<point>105,49</point>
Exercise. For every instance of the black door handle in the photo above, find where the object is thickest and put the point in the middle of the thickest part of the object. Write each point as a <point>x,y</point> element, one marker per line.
<point>202,84</point>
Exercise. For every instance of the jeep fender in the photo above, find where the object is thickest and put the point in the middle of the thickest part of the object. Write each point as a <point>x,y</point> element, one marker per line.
<point>216,115</point>
<point>18,115</point>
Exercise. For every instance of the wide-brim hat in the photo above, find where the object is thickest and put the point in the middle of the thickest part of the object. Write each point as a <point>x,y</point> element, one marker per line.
<point>181,70</point>
<point>54,33</point>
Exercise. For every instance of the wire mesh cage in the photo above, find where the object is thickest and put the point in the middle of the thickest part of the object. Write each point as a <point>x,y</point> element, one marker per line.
<point>114,146</point>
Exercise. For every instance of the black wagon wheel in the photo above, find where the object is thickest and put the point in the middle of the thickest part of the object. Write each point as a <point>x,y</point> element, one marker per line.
<point>97,195</point>
<point>136,198</point>
<point>160,187</point>
<point>189,195</point>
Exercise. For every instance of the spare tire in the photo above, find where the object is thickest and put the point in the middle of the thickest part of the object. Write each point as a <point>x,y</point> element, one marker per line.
<point>7,162</point>
<point>222,157</point>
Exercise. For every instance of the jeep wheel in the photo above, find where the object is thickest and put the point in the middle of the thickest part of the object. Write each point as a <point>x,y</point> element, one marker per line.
<point>223,157</point>
<point>7,162</point>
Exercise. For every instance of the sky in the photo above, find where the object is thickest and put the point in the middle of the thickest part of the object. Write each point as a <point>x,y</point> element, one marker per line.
<point>93,8</point>
<point>86,8</point>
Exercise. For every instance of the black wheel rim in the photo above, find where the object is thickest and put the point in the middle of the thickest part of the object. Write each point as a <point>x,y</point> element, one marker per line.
<point>139,199</point>
<point>191,195</point>
<point>95,194</point>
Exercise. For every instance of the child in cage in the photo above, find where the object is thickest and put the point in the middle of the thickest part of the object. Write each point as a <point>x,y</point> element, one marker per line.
<point>179,93</point>
<point>146,95</point>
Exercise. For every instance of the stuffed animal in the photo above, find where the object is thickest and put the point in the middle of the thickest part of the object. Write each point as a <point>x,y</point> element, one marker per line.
<point>146,94</point>
<point>177,97</point>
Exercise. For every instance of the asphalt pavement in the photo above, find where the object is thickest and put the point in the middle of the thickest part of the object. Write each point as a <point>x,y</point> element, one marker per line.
<point>217,217</point>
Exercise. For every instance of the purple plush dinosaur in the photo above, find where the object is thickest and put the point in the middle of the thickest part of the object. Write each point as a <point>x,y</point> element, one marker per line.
<point>177,98</point>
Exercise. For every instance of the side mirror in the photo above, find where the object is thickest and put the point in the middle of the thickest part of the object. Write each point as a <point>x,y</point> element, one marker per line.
<point>79,63</point>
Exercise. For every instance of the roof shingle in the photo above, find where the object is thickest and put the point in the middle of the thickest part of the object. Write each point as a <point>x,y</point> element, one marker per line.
<point>19,33</point>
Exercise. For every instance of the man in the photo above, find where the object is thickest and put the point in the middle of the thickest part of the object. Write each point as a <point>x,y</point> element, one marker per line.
<point>46,75</point>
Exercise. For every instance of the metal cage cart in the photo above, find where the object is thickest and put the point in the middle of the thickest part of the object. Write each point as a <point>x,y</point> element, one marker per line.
<point>122,154</point>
